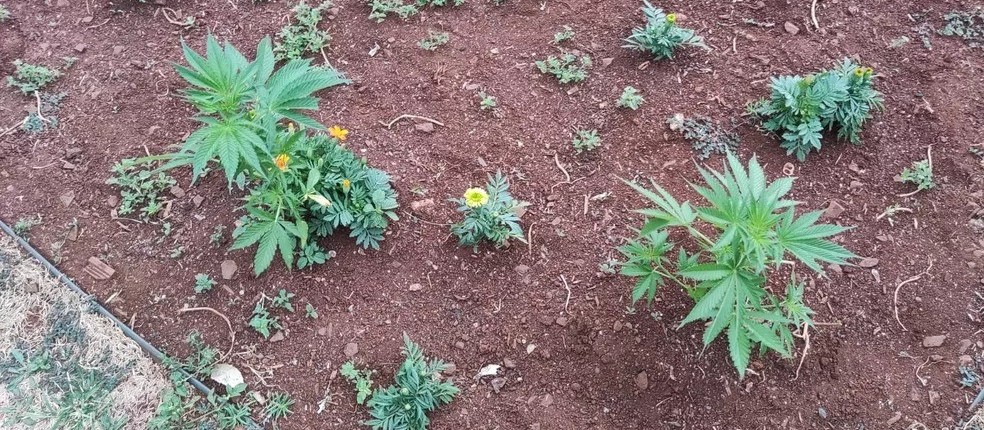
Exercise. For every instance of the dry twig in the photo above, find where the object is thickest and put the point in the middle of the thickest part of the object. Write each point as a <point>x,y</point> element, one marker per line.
<point>232,334</point>
<point>408,116</point>
<point>895,301</point>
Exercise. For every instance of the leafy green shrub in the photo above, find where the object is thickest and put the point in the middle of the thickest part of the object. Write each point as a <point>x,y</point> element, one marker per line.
<point>303,37</point>
<point>29,78</point>
<point>630,99</point>
<point>299,183</point>
<point>434,40</point>
<point>490,214</point>
<point>203,283</point>
<point>726,275</point>
<point>661,36</point>
<point>419,389</point>
<point>800,108</point>
<point>920,174</point>
<point>704,135</point>
<point>566,68</point>
<point>140,188</point>
<point>586,140</point>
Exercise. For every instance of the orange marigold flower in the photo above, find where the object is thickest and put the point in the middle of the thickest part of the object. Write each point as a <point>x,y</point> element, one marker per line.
<point>281,162</point>
<point>338,132</point>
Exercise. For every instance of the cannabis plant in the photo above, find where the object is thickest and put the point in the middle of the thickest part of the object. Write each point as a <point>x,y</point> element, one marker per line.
<point>141,187</point>
<point>418,390</point>
<point>801,108</point>
<point>586,141</point>
<point>920,174</point>
<point>756,229</point>
<point>491,214</point>
<point>29,78</point>
<point>303,37</point>
<point>567,68</point>
<point>661,35</point>
<point>630,99</point>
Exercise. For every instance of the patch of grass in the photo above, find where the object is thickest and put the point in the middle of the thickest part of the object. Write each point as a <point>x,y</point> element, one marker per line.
<point>567,68</point>
<point>29,78</point>
<point>586,141</point>
<point>303,37</point>
<point>434,40</point>
<point>630,99</point>
<point>704,135</point>
<point>140,188</point>
<point>278,406</point>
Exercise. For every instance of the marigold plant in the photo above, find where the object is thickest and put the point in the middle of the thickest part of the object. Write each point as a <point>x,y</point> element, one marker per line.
<point>661,36</point>
<point>491,214</point>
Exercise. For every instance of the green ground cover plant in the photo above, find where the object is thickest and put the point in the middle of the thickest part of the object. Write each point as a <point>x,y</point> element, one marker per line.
<point>303,37</point>
<point>661,36</point>
<point>757,229</point>
<point>29,78</point>
<point>418,389</point>
<point>203,283</point>
<point>919,174</point>
<point>705,136</point>
<point>490,214</point>
<point>630,99</point>
<point>586,141</point>
<point>434,40</point>
<point>801,108</point>
<point>567,68</point>
<point>141,188</point>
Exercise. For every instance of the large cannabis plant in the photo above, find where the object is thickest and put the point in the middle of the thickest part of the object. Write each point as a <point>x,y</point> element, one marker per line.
<point>800,108</point>
<point>757,228</point>
<point>661,35</point>
<point>491,214</point>
<point>419,389</point>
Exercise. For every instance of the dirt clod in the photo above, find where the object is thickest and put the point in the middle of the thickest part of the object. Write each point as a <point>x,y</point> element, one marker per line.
<point>351,349</point>
<point>229,268</point>
<point>933,341</point>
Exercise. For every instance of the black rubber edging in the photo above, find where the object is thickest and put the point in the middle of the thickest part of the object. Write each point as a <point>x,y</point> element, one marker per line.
<point>155,353</point>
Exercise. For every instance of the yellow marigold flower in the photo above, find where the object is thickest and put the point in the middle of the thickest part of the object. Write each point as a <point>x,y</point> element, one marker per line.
<point>281,162</point>
<point>346,184</point>
<point>671,18</point>
<point>869,71</point>
<point>859,72</point>
<point>338,132</point>
<point>476,197</point>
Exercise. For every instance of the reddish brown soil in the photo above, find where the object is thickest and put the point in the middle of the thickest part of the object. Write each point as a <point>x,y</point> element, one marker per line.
<point>477,309</point>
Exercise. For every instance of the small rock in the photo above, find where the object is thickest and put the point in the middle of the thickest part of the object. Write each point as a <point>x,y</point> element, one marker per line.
<point>894,419</point>
<point>933,397</point>
<point>424,127</point>
<point>933,341</point>
<point>547,401</point>
<point>791,28</point>
<point>965,360</point>
<point>67,198</point>
<point>605,62</point>
<point>561,321</point>
<point>277,337</point>
<point>459,344</point>
<point>617,326</point>
<point>98,269</point>
<point>229,268</point>
<point>416,287</point>
<point>80,48</point>
<point>177,191</point>
<point>112,201</point>
<point>522,269</point>
<point>498,383</point>
<point>198,200</point>
<point>822,412</point>
<point>834,210</point>
<point>68,165</point>
<point>118,49</point>
<point>87,20</point>
<point>642,380</point>
<point>351,349</point>
<point>965,345</point>
<point>323,331</point>
<point>836,269</point>
<point>868,262</point>
<point>419,205</point>
<point>509,363</point>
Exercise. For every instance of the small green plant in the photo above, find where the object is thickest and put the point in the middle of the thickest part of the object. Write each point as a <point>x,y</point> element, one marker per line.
<point>310,311</point>
<point>303,37</point>
<point>217,236</point>
<point>23,226</point>
<point>282,300</point>
<point>362,379</point>
<point>203,283</point>
<point>47,119</point>
<point>29,78</point>
<point>967,25</point>
<point>491,214</point>
<point>140,187</point>
<point>920,174</point>
<point>313,254</point>
<point>277,407</point>
<point>586,141</point>
<point>418,390</point>
<point>486,102</point>
<point>704,135</point>
<point>261,321</point>
<point>661,36</point>
<point>567,68</point>
<point>4,13</point>
<point>380,9</point>
<point>567,33</point>
<point>800,108</point>
<point>726,275</point>
<point>630,99</point>
<point>434,40</point>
